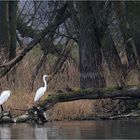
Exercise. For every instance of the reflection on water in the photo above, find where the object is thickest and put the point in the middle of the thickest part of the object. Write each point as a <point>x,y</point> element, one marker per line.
<point>40,132</point>
<point>73,130</point>
<point>5,132</point>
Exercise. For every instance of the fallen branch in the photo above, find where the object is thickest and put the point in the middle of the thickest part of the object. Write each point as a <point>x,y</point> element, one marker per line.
<point>19,109</point>
<point>129,115</point>
<point>133,93</point>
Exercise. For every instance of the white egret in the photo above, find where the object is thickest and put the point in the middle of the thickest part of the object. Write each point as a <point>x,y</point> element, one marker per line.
<point>40,92</point>
<point>4,97</point>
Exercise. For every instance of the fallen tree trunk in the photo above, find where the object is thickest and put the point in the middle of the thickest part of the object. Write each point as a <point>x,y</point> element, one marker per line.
<point>36,114</point>
<point>126,93</point>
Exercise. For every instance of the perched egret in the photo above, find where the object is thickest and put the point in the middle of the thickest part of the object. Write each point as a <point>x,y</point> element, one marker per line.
<point>3,97</point>
<point>40,92</point>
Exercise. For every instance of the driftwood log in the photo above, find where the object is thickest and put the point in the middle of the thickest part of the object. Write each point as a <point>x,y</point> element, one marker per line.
<point>37,114</point>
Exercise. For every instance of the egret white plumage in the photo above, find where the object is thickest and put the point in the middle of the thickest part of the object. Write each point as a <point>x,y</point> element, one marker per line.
<point>40,92</point>
<point>4,97</point>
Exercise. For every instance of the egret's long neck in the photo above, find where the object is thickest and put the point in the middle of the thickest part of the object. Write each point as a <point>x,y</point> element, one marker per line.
<point>45,83</point>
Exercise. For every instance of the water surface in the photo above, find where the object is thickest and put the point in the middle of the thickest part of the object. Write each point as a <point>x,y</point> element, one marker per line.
<point>117,129</point>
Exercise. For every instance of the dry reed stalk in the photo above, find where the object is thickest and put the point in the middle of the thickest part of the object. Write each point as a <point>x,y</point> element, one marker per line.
<point>67,77</point>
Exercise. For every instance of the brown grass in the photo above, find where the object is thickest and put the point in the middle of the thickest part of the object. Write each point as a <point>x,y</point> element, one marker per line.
<point>19,104</point>
<point>18,81</point>
<point>72,110</point>
<point>62,111</point>
<point>80,109</point>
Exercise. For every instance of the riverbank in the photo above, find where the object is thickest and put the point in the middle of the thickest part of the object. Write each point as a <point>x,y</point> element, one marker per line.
<point>111,103</point>
<point>32,117</point>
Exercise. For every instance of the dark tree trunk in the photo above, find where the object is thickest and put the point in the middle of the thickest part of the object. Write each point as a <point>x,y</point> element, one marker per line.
<point>89,49</point>
<point>132,27</point>
<point>133,18</point>
<point>120,8</point>
<point>74,17</point>
<point>4,32</point>
<point>13,5</point>
<point>12,27</point>
<point>121,15</point>
<point>104,20</point>
<point>113,60</point>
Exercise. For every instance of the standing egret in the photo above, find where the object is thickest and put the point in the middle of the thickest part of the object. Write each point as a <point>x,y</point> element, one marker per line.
<point>40,92</point>
<point>3,97</point>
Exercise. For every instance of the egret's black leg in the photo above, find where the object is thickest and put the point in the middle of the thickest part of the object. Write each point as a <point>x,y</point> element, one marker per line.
<point>2,108</point>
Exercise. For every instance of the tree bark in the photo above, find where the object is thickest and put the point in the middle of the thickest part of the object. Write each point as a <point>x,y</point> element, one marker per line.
<point>89,48</point>
<point>12,27</point>
<point>113,60</point>
<point>120,8</point>
<point>132,16</point>
<point>4,32</point>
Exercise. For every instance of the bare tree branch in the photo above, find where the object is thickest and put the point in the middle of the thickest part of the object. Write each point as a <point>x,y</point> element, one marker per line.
<point>59,19</point>
<point>41,60</point>
<point>61,60</point>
